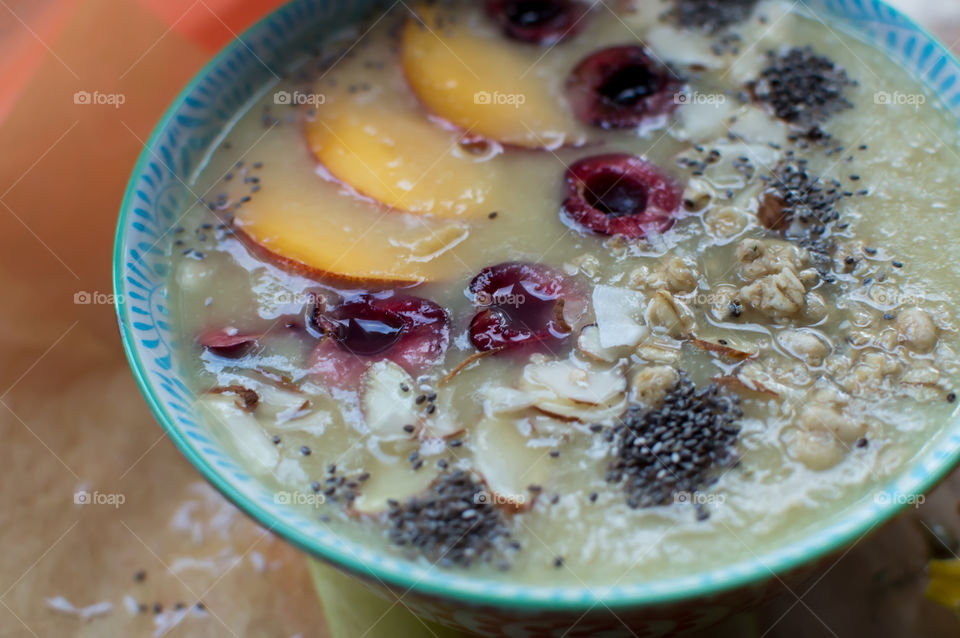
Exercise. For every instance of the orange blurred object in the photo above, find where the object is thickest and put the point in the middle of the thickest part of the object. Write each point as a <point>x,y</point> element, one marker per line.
<point>210,23</point>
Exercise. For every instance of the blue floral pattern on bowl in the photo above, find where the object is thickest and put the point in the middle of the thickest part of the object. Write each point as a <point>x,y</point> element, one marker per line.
<point>159,191</point>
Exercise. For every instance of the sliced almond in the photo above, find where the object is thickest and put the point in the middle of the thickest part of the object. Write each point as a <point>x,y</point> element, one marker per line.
<point>247,399</point>
<point>497,399</point>
<point>722,349</point>
<point>581,411</point>
<point>588,343</point>
<point>508,462</point>
<point>240,429</point>
<point>571,382</point>
<point>388,401</point>
<point>395,480</point>
<point>739,383</point>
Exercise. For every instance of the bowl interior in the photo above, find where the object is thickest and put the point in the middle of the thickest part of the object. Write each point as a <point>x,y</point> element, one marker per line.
<point>160,186</point>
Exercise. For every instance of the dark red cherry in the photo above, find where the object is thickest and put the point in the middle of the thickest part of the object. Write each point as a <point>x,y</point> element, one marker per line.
<point>228,343</point>
<point>537,21</point>
<point>520,304</point>
<point>410,331</point>
<point>621,194</point>
<point>361,329</point>
<point>622,87</point>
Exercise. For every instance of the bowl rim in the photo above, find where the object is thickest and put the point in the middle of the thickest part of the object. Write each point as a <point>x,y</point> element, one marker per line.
<point>852,524</point>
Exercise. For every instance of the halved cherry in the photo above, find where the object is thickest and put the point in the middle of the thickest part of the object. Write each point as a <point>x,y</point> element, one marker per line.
<point>537,21</point>
<point>520,303</point>
<point>228,343</point>
<point>410,331</point>
<point>622,87</point>
<point>621,194</point>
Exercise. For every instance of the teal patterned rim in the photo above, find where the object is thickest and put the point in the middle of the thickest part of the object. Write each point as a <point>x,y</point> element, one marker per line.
<point>158,189</point>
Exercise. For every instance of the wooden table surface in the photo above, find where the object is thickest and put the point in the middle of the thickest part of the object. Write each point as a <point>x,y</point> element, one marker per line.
<point>72,419</point>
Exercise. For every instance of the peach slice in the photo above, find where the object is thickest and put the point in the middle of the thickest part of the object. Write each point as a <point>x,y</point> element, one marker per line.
<point>465,72</point>
<point>310,226</point>
<point>400,158</point>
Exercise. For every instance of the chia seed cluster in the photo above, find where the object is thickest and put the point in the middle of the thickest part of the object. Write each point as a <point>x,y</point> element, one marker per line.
<point>710,15</point>
<point>803,88</point>
<point>804,207</point>
<point>337,486</point>
<point>454,523</point>
<point>677,447</point>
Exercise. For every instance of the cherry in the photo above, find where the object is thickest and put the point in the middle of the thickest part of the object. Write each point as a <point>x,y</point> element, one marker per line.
<point>621,87</point>
<point>228,343</point>
<point>537,21</point>
<point>620,194</point>
<point>520,303</point>
<point>410,331</point>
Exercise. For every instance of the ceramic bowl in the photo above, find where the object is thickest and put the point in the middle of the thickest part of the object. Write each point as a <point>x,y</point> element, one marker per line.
<point>154,199</point>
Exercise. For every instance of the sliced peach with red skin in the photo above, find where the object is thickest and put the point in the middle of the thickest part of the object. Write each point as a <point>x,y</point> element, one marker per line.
<point>321,231</point>
<point>466,73</point>
<point>400,158</point>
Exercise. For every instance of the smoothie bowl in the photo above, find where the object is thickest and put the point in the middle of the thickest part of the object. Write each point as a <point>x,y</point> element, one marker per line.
<point>557,316</point>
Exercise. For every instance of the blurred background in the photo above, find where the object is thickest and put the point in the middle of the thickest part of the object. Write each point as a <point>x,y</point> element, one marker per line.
<point>168,556</point>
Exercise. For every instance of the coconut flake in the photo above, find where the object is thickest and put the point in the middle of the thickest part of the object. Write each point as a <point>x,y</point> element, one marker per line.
<point>756,126</point>
<point>64,606</point>
<point>618,312</point>
<point>682,47</point>
<point>703,119</point>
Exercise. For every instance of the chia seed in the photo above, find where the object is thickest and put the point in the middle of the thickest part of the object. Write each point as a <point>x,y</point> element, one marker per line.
<point>678,447</point>
<point>709,15</point>
<point>454,523</point>
<point>804,209</point>
<point>804,89</point>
